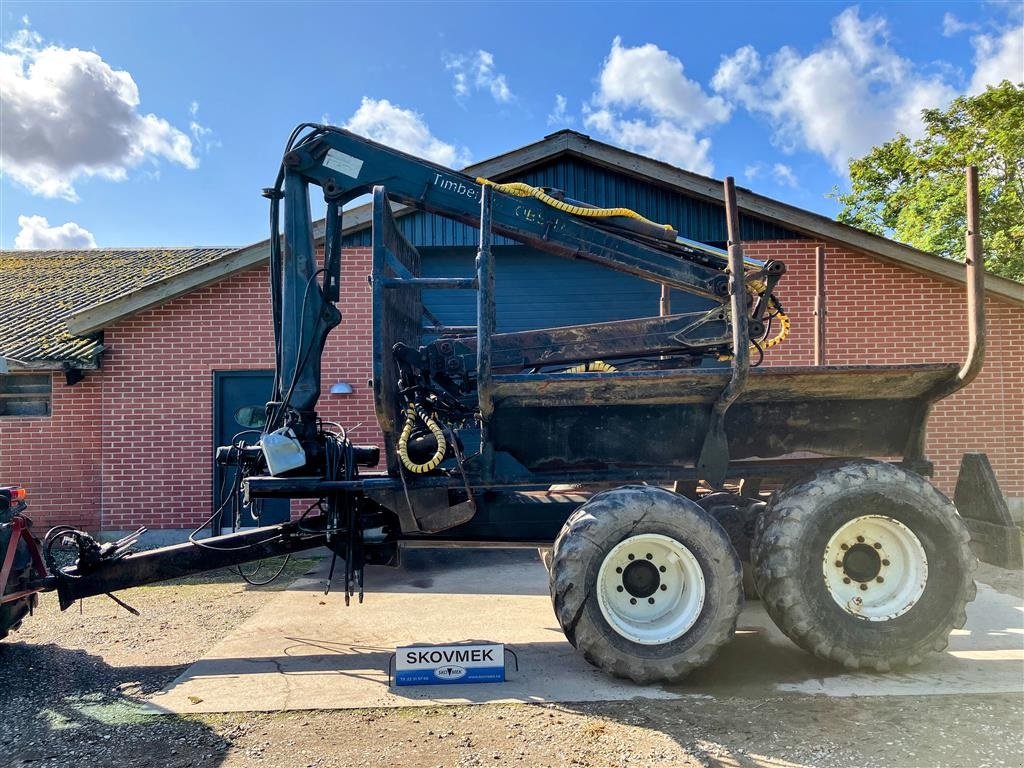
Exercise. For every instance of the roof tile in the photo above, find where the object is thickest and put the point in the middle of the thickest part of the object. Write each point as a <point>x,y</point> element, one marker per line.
<point>39,289</point>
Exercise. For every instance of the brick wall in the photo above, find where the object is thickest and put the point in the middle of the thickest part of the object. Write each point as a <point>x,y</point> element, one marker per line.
<point>57,458</point>
<point>882,313</point>
<point>154,394</point>
<point>158,394</point>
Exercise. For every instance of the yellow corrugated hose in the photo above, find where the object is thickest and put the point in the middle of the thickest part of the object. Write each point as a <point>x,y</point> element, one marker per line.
<point>412,413</point>
<point>597,366</point>
<point>519,189</point>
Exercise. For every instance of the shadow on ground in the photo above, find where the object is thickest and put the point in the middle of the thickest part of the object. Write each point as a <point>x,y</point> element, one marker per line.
<point>64,707</point>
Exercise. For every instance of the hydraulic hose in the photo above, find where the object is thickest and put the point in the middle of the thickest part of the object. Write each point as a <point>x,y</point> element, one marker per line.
<point>519,189</point>
<point>597,365</point>
<point>778,338</point>
<point>412,415</point>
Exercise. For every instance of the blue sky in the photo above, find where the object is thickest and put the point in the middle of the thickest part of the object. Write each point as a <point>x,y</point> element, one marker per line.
<point>158,123</point>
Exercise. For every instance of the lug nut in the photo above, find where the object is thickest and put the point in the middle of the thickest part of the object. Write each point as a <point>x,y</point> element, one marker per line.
<point>860,539</point>
<point>664,587</point>
<point>650,556</point>
<point>864,586</point>
<point>885,562</point>
<point>662,568</point>
<point>618,589</point>
<point>846,579</point>
<point>618,570</point>
<point>844,546</point>
<point>879,579</point>
<point>877,545</point>
<point>632,557</point>
<point>650,600</point>
<point>839,563</point>
<point>632,601</point>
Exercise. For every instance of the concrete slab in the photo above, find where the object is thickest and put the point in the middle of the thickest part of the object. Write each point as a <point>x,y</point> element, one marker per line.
<point>307,651</point>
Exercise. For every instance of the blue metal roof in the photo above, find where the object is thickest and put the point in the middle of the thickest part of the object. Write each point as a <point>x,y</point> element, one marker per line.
<point>696,219</point>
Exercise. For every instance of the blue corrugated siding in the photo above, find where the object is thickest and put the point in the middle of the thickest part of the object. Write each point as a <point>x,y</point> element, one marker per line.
<point>696,219</point>
<point>538,290</point>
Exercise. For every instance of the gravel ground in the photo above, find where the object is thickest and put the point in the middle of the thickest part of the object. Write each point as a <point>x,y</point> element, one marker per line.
<point>70,687</point>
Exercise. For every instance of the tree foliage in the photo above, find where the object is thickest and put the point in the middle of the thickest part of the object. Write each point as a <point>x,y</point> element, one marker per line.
<point>913,190</point>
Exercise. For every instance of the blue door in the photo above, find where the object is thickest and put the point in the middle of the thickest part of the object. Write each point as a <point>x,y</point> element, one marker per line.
<point>239,407</point>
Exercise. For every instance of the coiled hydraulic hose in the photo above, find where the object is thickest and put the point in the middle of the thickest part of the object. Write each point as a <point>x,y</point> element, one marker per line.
<point>783,319</point>
<point>519,189</point>
<point>412,415</point>
<point>778,338</point>
<point>597,365</point>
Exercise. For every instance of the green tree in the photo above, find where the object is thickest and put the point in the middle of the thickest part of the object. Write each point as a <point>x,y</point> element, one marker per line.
<point>913,190</point>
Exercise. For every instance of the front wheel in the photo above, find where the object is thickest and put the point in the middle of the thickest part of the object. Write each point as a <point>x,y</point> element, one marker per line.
<point>864,564</point>
<point>645,583</point>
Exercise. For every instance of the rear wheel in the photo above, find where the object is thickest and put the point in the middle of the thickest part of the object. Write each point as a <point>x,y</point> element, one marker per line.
<point>865,564</point>
<point>13,613</point>
<point>645,583</point>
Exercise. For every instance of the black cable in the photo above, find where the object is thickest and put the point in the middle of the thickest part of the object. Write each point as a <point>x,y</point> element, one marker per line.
<point>760,352</point>
<point>283,407</point>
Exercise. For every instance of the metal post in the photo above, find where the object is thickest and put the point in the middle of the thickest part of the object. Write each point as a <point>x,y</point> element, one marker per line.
<point>975,295</point>
<point>486,322</point>
<point>713,463</point>
<point>665,303</point>
<point>819,305</point>
<point>975,285</point>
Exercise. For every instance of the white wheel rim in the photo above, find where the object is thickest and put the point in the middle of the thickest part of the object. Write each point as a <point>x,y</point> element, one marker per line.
<point>875,568</point>
<point>650,589</point>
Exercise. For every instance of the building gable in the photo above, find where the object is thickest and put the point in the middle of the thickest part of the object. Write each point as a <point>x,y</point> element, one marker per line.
<point>693,217</point>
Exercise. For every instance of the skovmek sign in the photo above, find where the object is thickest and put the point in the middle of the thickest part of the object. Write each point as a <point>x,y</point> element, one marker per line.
<point>443,664</point>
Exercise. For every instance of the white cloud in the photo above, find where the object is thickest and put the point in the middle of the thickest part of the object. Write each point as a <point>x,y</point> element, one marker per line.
<point>68,114</point>
<point>850,94</point>
<point>405,130</point>
<point>202,135</point>
<point>661,139</point>
<point>646,103</point>
<point>36,234</point>
<point>476,71</point>
<point>781,173</point>
<point>651,79</point>
<point>784,175</point>
<point>997,58</point>
<point>952,26</point>
<point>558,114</point>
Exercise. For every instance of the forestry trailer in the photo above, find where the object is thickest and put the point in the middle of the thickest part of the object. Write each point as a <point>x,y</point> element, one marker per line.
<point>858,560</point>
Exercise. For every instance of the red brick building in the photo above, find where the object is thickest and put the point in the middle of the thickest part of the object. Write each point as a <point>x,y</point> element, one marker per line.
<point>125,368</point>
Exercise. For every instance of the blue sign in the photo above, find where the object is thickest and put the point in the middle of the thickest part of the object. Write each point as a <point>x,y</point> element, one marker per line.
<point>449,664</point>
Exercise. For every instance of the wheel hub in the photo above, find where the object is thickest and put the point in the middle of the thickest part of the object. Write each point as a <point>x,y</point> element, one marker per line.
<point>862,562</point>
<point>875,568</point>
<point>650,589</point>
<point>640,578</point>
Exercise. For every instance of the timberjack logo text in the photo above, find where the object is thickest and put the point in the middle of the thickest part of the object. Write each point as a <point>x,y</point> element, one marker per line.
<point>436,657</point>
<point>472,191</point>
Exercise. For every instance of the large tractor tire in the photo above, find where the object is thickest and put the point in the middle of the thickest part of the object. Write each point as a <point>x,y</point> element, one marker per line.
<point>14,612</point>
<point>737,515</point>
<point>645,583</point>
<point>864,564</point>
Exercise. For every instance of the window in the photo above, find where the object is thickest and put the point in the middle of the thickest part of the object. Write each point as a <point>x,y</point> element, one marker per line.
<point>25,394</point>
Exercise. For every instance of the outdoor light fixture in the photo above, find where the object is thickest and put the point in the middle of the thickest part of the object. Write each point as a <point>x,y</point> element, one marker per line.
<point>341,388</point>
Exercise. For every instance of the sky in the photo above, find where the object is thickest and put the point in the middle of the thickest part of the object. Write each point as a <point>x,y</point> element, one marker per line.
<point>157,124</point>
